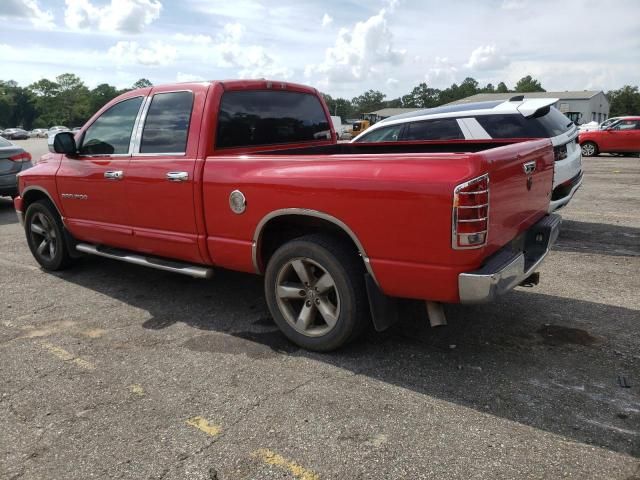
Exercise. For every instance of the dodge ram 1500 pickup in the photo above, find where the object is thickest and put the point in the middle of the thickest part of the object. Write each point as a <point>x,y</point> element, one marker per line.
<point>247,175</point>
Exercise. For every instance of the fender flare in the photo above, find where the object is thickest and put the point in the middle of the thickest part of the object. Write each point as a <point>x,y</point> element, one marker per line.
<point>305,212</point>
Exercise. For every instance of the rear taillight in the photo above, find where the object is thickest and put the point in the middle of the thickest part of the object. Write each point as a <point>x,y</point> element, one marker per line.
<point>560,152</point>
<point>21,157</point>
<point>470,220</point>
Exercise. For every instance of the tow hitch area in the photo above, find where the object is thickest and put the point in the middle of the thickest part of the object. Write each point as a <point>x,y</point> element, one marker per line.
<point>531,281</point>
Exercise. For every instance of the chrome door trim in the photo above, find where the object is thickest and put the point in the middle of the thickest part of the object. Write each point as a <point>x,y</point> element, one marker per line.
<point>114,174</point>
<point>308,213</point>
<point>177,176</point>
<point>136,136</point>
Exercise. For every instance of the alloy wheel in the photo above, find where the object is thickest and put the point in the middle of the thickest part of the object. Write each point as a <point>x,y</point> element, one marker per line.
<point>44,237</point>
<point>307,297</point>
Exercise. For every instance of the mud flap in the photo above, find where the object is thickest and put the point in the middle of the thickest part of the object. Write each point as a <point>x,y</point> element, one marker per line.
<point>384,309</point>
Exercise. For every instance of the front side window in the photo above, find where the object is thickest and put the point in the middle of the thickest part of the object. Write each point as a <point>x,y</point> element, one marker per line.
<point>167,124</point>
<point>626,125</point>
<point>266,117</point>
<point>110,134</point>
<point>442,129</point>
<point>386,134</point>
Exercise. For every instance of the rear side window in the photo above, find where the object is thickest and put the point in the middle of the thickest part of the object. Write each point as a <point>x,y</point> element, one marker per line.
<point>262,117</point>
<point>110,134</point>
<point>550,123</point>
<point>167,125</point>
<point>442,129</point>
<point>386,134</point>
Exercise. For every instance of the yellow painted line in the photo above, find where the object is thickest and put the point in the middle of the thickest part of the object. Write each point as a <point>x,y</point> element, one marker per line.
<point>65,356</point>
<point>298,471</point>
<point>203,425</point>
<point>136,389</point>
<point>93,332</point>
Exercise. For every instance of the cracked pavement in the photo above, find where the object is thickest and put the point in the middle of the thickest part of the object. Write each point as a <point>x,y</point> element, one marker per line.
<point>527,387</point>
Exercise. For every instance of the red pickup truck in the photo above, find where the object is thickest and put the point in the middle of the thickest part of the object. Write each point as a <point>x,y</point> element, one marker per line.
<point>247,175</point>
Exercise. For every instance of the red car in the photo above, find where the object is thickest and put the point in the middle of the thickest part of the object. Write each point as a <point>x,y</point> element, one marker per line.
<point>621,137</point>
<point>247,175</point>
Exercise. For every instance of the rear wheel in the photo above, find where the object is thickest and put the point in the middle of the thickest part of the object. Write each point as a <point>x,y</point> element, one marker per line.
<point>315,290</point>
<point>45,236</point>
<point>589,149</point>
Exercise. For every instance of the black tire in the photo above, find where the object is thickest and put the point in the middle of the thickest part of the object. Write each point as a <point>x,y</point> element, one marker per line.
<point>587,150</point>
<point>43,227</point>
<point>323,254</point>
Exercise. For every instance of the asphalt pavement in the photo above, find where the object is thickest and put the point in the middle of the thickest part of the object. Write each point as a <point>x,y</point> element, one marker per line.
<point>110,370</point>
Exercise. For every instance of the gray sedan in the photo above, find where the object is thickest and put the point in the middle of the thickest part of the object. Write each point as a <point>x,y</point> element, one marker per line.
<point>15,134</point>
<point>13,160</point>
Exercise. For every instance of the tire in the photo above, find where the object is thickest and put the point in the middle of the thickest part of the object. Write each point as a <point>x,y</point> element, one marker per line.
<point>329,311</point>
<point>45,236</point>
<point>589,149</point>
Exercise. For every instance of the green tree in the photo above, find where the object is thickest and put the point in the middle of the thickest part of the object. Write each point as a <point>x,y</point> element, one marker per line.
<point>624,101</point>
<point>369,101</point>
<point>142,83</point>
<point>74,99</point>
<point>502,88</point>
<point>528,84</point>
<point>422,96</point>
<point>100,96</point>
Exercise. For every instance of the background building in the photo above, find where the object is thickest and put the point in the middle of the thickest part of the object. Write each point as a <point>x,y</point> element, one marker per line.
<point>580,106</point>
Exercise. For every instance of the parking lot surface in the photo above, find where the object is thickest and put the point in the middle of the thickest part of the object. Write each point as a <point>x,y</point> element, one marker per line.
<point>110,370</point>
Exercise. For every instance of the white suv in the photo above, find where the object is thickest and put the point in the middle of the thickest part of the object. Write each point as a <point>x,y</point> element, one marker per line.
<point>515,118</point>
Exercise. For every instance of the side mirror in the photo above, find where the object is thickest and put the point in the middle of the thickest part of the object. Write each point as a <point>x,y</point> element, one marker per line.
<point>63,142</point>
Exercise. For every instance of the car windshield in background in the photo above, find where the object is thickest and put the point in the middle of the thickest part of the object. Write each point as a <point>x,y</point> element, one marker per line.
<point>549,124</point>
<point>270,117</point>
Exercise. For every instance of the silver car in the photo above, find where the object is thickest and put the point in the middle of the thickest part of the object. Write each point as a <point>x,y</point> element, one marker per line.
<point>13,160</point>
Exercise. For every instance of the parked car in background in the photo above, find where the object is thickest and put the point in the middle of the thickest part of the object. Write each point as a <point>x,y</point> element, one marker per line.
<point>56,129</point>
<point>15,134</point>
<point>39,133</point>
<point>76,129</point>
<point>588,127</point>
<point>621,137</point>
<point>514,118</point>
<point>13,160</point>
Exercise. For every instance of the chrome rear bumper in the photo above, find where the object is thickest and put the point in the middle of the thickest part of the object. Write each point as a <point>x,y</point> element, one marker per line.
<point>511,265</point>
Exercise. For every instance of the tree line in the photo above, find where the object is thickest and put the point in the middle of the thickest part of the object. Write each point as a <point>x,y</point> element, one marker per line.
<point>68,101</point>
<point>64,101</point>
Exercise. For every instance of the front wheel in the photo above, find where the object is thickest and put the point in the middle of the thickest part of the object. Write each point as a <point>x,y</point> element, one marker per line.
<point>315,290</point>
<point>45,236</point>
<point>589,149</point>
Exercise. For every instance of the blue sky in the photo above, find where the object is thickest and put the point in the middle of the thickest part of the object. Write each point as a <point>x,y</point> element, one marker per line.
<point>342,47</point>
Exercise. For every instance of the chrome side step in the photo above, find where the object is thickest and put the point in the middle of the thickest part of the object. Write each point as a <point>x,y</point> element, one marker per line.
<point>152,262</point>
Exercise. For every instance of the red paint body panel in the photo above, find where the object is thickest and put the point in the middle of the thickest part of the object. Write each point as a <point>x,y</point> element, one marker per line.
<point>398,205</point>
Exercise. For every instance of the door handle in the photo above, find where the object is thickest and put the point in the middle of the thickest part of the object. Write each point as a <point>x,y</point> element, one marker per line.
<point>177,176</point>
<point>529,167</point>
<point>113,174</point>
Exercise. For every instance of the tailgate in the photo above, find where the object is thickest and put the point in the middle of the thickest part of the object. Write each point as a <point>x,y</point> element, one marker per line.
<point>521,181</point>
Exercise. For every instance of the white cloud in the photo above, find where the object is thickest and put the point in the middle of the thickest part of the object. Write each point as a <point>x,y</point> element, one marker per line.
<point>188,77</point>
<point>251,60</point>
<point>29,9</point>
<point>327,20</point>
<point>487,58</point>
<point>197,39</point>
<point>442,73</point>
<point>131,53</point>
<point>392,82</point>
<point>513,4</point>
<point>358,53</point>
<point>125,16</point>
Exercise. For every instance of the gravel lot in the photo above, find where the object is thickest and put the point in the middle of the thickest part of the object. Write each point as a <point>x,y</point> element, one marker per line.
<point>110,370</point>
